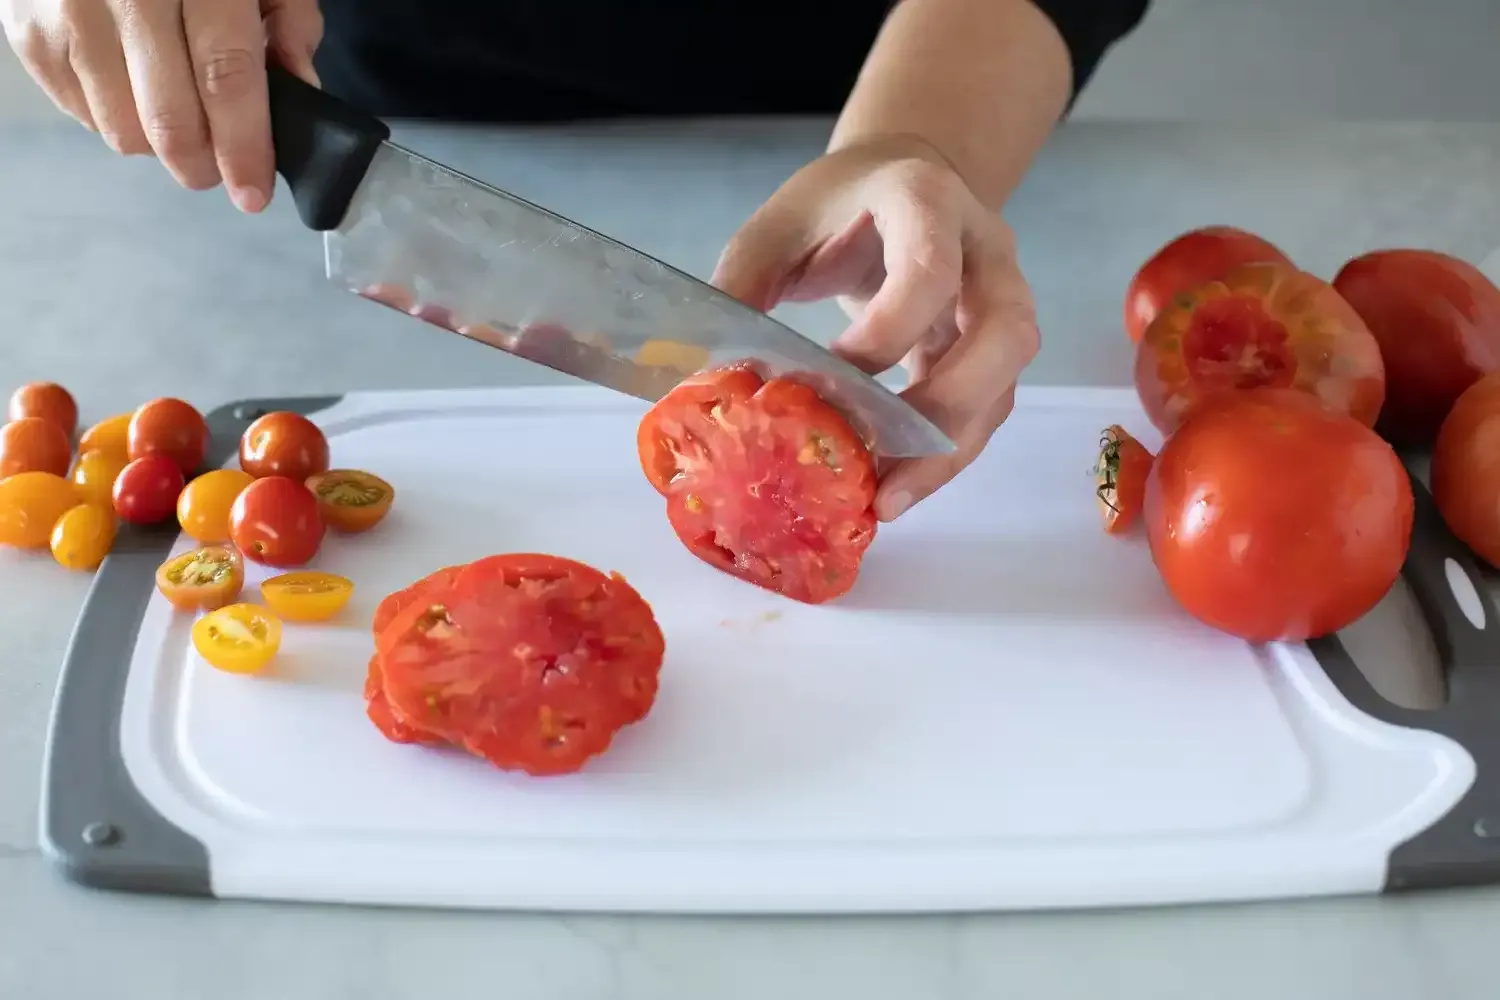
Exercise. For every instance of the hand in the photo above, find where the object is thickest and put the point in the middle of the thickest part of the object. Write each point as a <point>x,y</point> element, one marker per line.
<point>182,79</point>
<point>927,275</point>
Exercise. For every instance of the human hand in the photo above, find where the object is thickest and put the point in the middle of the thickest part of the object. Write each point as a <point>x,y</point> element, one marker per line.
<point>184,80</point>
<point>927,275</point>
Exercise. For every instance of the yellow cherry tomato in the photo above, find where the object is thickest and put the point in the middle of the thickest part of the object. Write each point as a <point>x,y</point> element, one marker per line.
<point>95,472</point>
<point>307,595</point>
<point>83,536</point>
<point>203,505</point>
<point>30,504</point>
<point>238,638</point>
<point>109,436</point>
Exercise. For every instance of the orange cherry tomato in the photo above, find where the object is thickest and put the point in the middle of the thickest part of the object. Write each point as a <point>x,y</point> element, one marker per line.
<point>30,504</point>
<point>169,427</point>
<point>238,638</point>
<point>47,400</point>
<point>204,504</point>
<point>203,579</point>
<point>1120,478</point>
<point>111,435</point>
<point>350,500</point>
<point>95,473</point>
<point>284,444</point>
<point>32,444</point>
<point>307,595</point>
<point>83,536</point>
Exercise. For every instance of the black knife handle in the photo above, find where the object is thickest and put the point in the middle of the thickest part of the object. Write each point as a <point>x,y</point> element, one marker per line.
<point>323,147</point>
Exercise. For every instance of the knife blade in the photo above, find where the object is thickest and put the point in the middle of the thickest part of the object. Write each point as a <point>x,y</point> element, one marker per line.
<point>423,238</point>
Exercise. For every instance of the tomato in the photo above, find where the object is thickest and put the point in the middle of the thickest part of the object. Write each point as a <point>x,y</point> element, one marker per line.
<point>145,491</point>
<point>307,596</point>
<point>1262,325</point>
<point>531,662</point>
<point>203,579</point>
<point>1187,261</point>
<point>95,473</point>
<point>393,604</point>
<point>1466,468</point>
<point>169,427</point>
<point>30,505</point>
<point>238,638</point>
<point>395,729</point>
<point>32,444</point>
<point>1120,478</point>
<point>203,505</point>
<point>350,500</point>
<point>1437,319</point>
<point>111,435</point>
<point>83,536</point>
<point>284,444</point>
<point>1271,517</point>
<point>47,400</point>
<point>275,521</point>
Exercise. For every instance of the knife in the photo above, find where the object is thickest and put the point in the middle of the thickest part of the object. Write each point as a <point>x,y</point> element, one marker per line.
<point>427,240</point>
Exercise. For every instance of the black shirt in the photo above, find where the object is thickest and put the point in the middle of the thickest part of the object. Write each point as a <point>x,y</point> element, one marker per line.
<point>550,60</point>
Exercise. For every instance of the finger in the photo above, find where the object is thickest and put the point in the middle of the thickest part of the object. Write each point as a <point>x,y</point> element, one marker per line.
<point>759,260</point>
<point>166,96</point>
<point>294,29</point>
<point>47,63</point>
<point>911,480</point>
<point>227,47</point>
<point>99,62</point>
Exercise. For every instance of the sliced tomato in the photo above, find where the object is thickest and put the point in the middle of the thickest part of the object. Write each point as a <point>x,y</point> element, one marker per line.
<point>351,500</point>
<point>377,707</point>
<point>307,595</point>
<point>238,638</point>
<point>1120,478</point>
<point>392,604</point>
<point>203,579</point>
<point>532,662</point>
<point>763,480</point>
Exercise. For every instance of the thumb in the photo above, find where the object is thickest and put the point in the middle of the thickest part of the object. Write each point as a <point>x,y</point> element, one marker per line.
<point>294,28</point>
<point>761,260</point>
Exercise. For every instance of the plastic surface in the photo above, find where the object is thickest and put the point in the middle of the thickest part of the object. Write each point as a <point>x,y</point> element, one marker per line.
<point>323,147</point>
<point>1007,712</point>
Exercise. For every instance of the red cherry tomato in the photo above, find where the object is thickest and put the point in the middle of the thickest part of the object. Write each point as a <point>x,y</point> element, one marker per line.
<point>1187,261</point>
<point>275,522</point>
<point>47,400</point>
<point>284,444</point>
<point>145,491</point>
<point>32,444</point>
<point>169,427</point>
<point>1466,468</point>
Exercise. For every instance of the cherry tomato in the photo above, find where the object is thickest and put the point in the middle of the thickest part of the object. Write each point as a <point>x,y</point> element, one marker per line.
<point>83,536</point>
<point>350,500</point>
<point>145,491</point>
<point>1261,325</point>
<point>1271,517</point>
<point>95,473</point>
<point>307,596</point>
<point>203,579</point>
<point>1187,261</point>
<point>169,427</point>
<point>1466,468</point>
<point>238,638</point>
<point>32,444</point>
<point>284,444</point>
<point>1120,478</point>
<point>30,505</point>
<point>111,435</point>
<point>47,400</point>
<point>1437,319</point>
<point>203,505</point>
<point>275,521</point>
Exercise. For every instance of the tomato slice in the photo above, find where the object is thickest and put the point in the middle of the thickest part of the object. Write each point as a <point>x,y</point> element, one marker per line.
<point>377,707</point>
<point>532,662</point>
<point>238,638</point>
<point>392,604</point>
<point>202,580</point>
<point>1120,478</point>
<point>307,595</point>
<point>763,480</point>
<point>351,500</point>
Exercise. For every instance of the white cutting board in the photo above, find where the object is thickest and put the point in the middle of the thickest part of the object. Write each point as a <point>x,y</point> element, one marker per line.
<point>1007,712</point>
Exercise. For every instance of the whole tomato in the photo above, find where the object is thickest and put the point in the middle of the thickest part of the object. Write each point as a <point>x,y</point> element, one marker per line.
<point>46,400</point>
<point>1187,261</point>
<point>145,491</point>
<point>1437,319</point>
<point>1271,517</point>
<point>169,427</point>
<point>284,444</point>
<point>32,444</point>
<point>275,522</point>
<point>1466,468</point>
<point>1260,325</point>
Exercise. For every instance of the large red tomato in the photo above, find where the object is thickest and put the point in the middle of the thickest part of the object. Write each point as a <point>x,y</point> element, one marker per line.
<point>1273,518</point>
<point>1187,261</point>
<point>1466,468</point>
<point>1437,319</point>
<point>1260,325</point>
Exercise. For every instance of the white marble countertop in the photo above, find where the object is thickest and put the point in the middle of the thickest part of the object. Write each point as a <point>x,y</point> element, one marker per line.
<point>122,287</point>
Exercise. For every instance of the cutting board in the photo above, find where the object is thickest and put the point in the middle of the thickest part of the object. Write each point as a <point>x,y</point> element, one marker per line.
<point>1007,712</point>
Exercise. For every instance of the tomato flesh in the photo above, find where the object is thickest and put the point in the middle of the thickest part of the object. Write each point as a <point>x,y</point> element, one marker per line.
<point>394,728</point>
<point>307,596</point>
<point>1120,478</point>
<point>202,580</point>
<point>238,638</point>
<point>1187,261</point>
<point>275,521</point>
<point>1466,468</point>
<point>350,500</point>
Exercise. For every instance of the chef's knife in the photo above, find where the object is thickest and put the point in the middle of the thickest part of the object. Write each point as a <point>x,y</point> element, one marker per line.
<point>425,239</point>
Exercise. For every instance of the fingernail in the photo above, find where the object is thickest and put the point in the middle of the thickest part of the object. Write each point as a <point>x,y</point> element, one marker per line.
<point>895,505</point>
<point>250,199</point>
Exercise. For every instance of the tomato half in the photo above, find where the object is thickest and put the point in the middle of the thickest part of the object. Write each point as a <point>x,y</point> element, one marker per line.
<point>32,444</point>
<point>111,435</point>
<point>1187,261</point>
<point>1437,319</point>
<point>238,638</point>
<point>83,536</point>
<point>283,444</point>
<point>204,504</point>
<point>30,505</point>
<point>1466,468</point>
<point>1261,325</point>
<point>307,596</point>
<point>763,480</point>
<point>202,580</point>
<point>47,400</point>
<point>145,491</point>
<point>275,521</point>
<point>95,473</point>
<point>172,428</point>
<point>1120,478</point>
<point>1273,518</point>
<point>531,662</point>
<point>350,500</point>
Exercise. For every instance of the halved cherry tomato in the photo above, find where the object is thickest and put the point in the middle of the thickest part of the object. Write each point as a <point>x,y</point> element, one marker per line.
<point>32,444</point>
<point>30,505</point>
<point>83,536</point>
<point>46,400</point>
<point>95,473</point>
<point>203,505</point>
<point>238,638</point>
<point>111,435</point>
<point>275,521</point>
<point>350,500</point>
<point>283,444</point>
<point>169,427</point>
<point>307,596</point>
<point>1187,261</point>
<point>203,579</point>
<point>1120,478</point>
<point>145,491</point>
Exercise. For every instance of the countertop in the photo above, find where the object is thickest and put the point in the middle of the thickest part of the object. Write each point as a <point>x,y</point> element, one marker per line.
<point>123,287</point>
